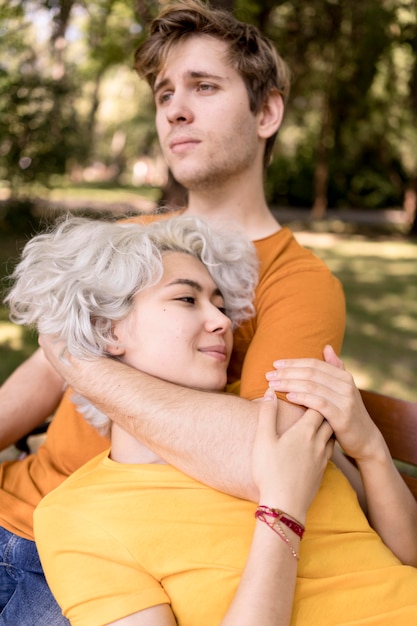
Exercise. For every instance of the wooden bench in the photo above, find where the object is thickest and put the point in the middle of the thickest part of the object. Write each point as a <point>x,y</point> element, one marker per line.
<point>397,420</point>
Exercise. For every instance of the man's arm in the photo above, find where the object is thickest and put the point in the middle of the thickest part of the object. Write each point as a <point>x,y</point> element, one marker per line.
<point>208,436</point>
<point>28,397</point>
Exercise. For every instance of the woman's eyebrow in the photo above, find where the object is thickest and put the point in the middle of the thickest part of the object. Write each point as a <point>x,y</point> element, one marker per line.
<point>186,281</point>
<point>193,284</point>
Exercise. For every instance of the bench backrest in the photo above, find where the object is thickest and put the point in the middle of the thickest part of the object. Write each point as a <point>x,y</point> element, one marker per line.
<point>397,420</point>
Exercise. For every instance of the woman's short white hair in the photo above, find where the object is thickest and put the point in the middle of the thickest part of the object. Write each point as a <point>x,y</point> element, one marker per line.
<point>76,280</point>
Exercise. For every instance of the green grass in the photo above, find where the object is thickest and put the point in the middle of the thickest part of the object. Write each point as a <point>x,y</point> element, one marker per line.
<point>16,342</point>
<point>379,278</point>
<point>111,193</point>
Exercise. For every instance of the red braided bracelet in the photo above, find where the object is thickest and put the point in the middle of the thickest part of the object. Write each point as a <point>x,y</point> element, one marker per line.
<point>278,530</point>
<point>282,517</point>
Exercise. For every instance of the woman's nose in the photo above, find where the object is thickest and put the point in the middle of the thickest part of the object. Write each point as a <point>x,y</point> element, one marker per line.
<point>218,322</point>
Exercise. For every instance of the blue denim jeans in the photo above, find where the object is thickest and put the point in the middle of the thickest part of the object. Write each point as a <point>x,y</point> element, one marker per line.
<point>25,598</point>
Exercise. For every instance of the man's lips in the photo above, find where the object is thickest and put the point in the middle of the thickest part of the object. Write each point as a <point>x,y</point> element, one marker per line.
<point>182,144</point>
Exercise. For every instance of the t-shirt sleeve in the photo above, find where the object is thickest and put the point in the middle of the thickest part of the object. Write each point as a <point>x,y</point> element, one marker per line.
<point>297,315</point>
<point>94,578</point>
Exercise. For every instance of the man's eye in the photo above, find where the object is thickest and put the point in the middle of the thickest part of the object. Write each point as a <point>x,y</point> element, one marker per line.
<point>164,97</point>
<point>206,87</point>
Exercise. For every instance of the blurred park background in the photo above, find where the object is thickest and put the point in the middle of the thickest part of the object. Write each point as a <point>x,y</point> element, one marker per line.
<point>77,133</point>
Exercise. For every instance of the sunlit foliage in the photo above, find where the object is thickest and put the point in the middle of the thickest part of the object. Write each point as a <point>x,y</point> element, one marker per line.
<point>70,99</point>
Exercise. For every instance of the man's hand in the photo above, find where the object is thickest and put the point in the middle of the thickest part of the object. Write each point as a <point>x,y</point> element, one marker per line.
<point>58,356</point>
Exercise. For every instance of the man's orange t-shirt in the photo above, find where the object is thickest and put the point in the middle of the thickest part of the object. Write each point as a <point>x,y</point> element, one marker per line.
<point>300,307</point>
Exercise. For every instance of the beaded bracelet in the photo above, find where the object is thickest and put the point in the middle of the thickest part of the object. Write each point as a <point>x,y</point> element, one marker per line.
<point>262,512</point>
<point>280,516</point>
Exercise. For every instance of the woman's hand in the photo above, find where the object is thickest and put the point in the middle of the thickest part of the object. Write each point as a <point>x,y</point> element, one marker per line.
<point>328,388</point>
<point>288,469</point>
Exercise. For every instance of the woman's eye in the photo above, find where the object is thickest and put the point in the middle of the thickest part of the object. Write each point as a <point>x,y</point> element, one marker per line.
<point>188,299</point>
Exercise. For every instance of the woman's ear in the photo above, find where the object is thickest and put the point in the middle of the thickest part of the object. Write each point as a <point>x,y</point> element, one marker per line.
<point>114,348</point>
<point>271,114</point>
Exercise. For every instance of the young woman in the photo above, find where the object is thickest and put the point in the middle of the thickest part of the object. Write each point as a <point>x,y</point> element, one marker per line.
<point>130,540</point>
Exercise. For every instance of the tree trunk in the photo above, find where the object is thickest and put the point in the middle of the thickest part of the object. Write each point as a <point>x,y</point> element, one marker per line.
<point>413,230</point>
<point>410,207</point>
<point>321,172</point>
<point>57,40</point>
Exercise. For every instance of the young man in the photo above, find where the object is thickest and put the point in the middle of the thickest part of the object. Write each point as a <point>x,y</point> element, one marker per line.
<point>215,126</point>
<point>215,121</point>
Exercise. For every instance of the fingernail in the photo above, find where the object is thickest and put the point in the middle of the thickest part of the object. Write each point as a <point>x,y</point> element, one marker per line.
<point>275,384</point>
<point>269,394</point>
<point>271,375</point>
<point>279,363</point>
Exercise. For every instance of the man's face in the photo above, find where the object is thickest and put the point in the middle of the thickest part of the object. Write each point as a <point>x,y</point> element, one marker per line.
<point>207,132</point>
<point>177,329</point>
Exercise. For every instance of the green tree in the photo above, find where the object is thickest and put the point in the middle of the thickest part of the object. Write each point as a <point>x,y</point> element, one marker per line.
<point>334,49</point>
<point>50,83</point>
<point>69,97</point>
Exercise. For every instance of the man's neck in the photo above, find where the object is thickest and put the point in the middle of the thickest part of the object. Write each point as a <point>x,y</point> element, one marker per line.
<point>244,208</point>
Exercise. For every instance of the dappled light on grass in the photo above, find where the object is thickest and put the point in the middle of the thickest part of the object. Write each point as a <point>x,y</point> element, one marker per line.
<point>379,278</point>
<point>16,344</point>
<point>11,336</point>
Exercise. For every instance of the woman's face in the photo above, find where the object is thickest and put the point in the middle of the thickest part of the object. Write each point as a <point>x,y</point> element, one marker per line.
<point>176,329</point>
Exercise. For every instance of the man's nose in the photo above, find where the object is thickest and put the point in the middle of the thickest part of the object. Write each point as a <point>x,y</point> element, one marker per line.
<point>179,110</point>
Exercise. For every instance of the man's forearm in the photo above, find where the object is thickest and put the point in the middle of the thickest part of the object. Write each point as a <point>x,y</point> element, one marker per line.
<point>206,435</point>
<point>28,397</point>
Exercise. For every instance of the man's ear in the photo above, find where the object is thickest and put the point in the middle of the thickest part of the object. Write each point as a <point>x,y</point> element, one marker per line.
<point>271,114</point>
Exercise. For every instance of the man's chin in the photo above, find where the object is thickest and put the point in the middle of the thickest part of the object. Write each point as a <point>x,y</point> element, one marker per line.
<point>197,182</point>
<point>188,174</point>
